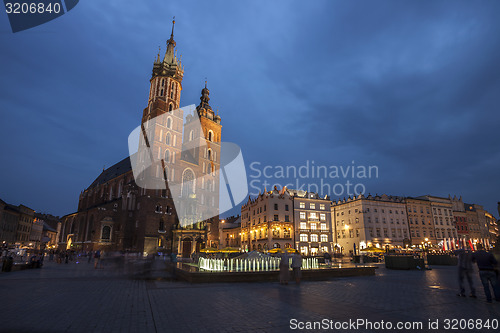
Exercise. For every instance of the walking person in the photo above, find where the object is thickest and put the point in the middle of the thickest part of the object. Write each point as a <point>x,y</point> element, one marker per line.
<point>487,265</point>
<point>97,258</point>
<point>328,258</point>
<point>173,259</point>
<point>284,268</point>
<point>465,270</point>
<point>296,265</point>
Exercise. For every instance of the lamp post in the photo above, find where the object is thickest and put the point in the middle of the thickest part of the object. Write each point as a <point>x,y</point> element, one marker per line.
<point>426,249</point>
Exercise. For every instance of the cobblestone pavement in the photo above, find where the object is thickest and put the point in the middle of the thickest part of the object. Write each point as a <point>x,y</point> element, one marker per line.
<point>78,298</point>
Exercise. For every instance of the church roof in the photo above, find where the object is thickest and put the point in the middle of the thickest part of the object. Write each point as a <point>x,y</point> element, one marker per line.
<point>114,171</point>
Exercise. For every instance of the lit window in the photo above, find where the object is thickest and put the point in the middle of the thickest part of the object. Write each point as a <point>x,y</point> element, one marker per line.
<point>303,237</point>
<point>312,206</point>
<point>322,206</point>
<point>302,215</point>
<point>324,238</point>
<point>303,225</point>
<point>302,205</point>
<point>322,217</point>
<point>314,238</point>
<point>323,226</point>
<point>313,226</point>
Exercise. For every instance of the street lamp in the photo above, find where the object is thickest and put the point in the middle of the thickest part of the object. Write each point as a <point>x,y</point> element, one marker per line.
<point>425,246</point>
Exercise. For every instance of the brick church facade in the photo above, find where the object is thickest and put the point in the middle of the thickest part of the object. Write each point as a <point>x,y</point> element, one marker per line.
<point>116,214</point>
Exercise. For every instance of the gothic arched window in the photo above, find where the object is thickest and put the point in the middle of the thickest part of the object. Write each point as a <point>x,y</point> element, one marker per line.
<point>187,183</point>
<point>191,135</point>
<point>167,156</point>
<point>170,107</point>
<point>106,232</point>
<point>167,139</point>
<point>210,135</point>
<point>169,123</point>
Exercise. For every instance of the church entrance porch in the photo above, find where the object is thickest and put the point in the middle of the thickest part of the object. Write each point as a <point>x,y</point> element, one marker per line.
<point>186,241</point>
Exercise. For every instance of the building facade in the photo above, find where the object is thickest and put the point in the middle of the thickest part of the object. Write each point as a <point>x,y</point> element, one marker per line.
<point>267,221</point>
<point>492,227</point>
<point>442,214</point>
<point>9,219</point>
<point>312,217</point>
<point>26,217</point>
<point>361,222</point>
<point>36,233</point>
<point>420,222</point>
<point>230,232</point>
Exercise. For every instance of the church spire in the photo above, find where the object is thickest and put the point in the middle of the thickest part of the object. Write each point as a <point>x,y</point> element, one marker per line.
<point>204,98</point>
<point>169,54</point>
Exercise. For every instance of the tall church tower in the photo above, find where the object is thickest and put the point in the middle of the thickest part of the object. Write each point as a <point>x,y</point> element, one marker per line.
<point>163,112</point>
<point>165,83</point>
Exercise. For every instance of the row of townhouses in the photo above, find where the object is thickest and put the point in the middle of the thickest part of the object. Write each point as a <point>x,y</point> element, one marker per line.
<point>313,224</point>
<point>22,227</point>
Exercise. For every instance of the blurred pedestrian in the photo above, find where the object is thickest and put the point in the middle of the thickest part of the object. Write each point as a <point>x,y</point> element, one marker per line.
<point>173,259</point>
<point>284,268</point>
<point>97,258</point>
<point>328,258</point>
<point>465,270</point>
<point>488,272</point>
<point>296,265</point>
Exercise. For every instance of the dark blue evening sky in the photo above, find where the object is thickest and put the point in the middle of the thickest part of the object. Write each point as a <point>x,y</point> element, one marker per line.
<point>412,87</point>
